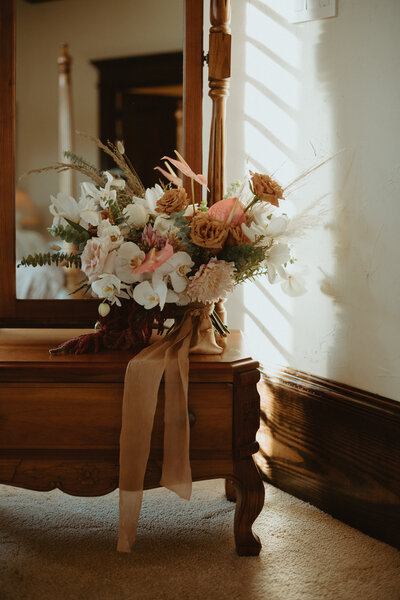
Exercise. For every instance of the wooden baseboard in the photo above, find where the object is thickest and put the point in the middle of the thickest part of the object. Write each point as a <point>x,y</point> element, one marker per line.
<point>334,446</point>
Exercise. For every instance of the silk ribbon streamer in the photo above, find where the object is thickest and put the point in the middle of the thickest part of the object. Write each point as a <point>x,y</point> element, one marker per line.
<point>169,357</point>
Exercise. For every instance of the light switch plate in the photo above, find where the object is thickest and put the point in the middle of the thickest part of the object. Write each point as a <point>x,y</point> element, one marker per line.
<point>300,11</point>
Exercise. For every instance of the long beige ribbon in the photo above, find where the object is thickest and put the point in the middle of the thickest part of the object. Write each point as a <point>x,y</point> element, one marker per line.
<point>169,356</point>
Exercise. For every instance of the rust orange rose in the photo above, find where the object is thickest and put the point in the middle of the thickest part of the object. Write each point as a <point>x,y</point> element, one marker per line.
<point>208,232</point>
<point>172,201</point>
<point>266,188</point>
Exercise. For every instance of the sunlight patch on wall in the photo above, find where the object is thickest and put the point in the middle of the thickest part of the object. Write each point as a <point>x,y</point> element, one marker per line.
<point>273,121</point>
<point>266,21</point>
<point>271,101</point>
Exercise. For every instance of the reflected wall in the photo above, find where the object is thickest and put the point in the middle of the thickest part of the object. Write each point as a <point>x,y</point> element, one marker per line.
<point>94,30</point>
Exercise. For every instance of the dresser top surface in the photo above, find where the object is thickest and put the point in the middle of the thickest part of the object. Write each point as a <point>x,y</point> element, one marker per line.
<point>24,356</point>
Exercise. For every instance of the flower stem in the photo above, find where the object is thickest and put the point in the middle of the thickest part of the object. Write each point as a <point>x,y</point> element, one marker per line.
<point>194,206</point>
<point>251,203</point>
<point>218,324</point>
<point>232,211</point>
<point>225,327</point>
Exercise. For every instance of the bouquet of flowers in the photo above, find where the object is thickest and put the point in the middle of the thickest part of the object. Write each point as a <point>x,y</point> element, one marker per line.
<point>146,252</point>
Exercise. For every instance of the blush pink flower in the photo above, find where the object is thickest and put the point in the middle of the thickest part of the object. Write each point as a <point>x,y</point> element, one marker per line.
<point>186,170</point>
<point>154,259</point>
<point>94,256</point>
<point>212,282</point>
<point>152,238</point>
<point>229,208</point>
<point>174,179</point>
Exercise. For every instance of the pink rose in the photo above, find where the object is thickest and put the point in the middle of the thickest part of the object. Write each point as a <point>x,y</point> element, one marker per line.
<point>94,257</point>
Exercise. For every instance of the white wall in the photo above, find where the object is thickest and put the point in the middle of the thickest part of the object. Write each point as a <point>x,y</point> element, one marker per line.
<point>94,29</point>
<point>299,94</point>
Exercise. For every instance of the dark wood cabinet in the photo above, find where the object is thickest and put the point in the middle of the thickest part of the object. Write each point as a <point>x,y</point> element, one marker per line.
<point>60,420</point>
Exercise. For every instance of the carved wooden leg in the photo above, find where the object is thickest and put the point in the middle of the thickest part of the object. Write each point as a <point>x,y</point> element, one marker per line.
<point>230,491</point>
<point>250,500</point>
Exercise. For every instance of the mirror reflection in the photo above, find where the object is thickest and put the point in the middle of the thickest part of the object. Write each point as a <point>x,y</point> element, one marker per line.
<point>111,71</point>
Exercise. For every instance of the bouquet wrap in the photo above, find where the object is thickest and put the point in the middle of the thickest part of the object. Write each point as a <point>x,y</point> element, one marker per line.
<point>193,334</point>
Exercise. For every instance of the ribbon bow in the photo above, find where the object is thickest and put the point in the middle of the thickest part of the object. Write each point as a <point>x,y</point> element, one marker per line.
<point>194,334</point>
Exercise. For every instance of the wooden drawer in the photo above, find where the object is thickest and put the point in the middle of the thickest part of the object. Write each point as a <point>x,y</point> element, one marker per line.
<point>88,416</point>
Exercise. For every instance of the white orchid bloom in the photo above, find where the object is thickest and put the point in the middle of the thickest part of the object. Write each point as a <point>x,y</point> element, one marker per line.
<point>149,295</point>
<point>64,207</point>
<point>294,285</point>
<point>151,196</point>
<point>107,194</point>
<point>277,226</point>
<point>176,269</point>
<point>136,215</point>
<point>109,287</point>
<point>89,190</point>
<point>263,227</point>
<point>88,210</point>
<point>129,257</point>
<point>254,231</point>
<point>111,232</point>
<point>261,212</point>
<point>103,195</point>
<point>276,257</point>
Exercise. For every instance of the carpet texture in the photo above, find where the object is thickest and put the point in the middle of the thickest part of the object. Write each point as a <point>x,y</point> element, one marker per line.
<point>54,546</point>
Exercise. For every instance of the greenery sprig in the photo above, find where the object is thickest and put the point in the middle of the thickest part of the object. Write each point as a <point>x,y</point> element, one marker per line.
<point>71,233</point>
<point>81,162</point>
<point>39,259</point>
<point>247,259</point>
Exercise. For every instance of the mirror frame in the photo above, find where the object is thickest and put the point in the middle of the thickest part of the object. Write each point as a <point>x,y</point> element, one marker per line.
<point>76,313</point>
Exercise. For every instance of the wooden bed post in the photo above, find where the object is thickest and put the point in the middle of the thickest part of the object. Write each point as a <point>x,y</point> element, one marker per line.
<point>66,138</point>
<point>65,119</point>
<point>219,72</point>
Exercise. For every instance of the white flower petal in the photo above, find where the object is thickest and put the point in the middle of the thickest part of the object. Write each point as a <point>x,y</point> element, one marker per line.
<point>277,226</point>
<point>128,258</point>
<point>136,215</point>
<point>64,206</point>
<point>111,232</point>
<point>145,295</point>
<point>252,232</point>
<point>278,254</point>
<point>294,286</point>
<point>178,282</point>
<point>160,287</point>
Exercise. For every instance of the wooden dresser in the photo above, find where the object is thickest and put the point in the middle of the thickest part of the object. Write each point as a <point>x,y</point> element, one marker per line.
<point>60,420</point>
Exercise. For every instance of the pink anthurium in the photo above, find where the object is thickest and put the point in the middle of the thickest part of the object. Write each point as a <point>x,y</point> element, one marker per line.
<point>154,259</point>
<point>228,210</point>
<point>175,180</point>
<point>186,170</point>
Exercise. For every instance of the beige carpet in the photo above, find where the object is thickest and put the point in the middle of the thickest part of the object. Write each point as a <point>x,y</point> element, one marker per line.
<point>54,546</point>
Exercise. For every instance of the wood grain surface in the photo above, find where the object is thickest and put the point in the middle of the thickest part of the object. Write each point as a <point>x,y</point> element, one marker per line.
<point>60,421</point>
<point>219,71</point>
<point>7,159</point>
<point>335,446</point>
<point>24,357</point>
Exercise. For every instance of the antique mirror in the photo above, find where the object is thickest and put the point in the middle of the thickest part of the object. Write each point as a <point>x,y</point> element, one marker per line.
<point>29,79</point>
